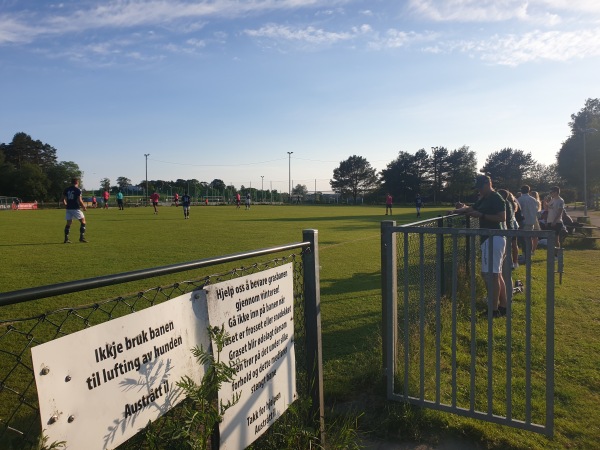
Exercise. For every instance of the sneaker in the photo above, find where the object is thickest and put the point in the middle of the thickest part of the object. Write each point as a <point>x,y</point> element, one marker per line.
<point>67,241</point>
<point>496,314</point>
<point>82,240</point>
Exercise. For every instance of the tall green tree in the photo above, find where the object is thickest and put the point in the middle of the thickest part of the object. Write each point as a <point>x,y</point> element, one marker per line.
<point>570,157</point>
<point>402,176</point>
<point>24,150</point>
<point>123,182</point>
<point>300,190</point>
<point>60,176</point>
<point>462,169</point>
<point>353,177</point>
<point>438,170</point>
<point>105,184</point>
<point>217,185</point>
<point>508,168</point>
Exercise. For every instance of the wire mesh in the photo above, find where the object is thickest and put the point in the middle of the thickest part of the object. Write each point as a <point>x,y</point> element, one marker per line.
<point>19,411</point>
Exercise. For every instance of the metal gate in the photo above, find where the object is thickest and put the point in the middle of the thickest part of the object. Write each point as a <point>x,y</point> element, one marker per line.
<point>442,347</point>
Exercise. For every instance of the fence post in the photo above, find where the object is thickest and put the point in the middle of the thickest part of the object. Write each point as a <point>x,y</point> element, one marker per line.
<point>442,257</point>
<point>312,317</point>
<point>389,305</point>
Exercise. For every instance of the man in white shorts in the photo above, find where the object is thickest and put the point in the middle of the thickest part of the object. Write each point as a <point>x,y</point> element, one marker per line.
<point>529,208</point>
<point>71,198</point>
<point>490,209</point>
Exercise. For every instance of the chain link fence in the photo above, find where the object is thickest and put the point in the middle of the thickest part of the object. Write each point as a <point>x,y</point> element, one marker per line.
<point>19,411</point>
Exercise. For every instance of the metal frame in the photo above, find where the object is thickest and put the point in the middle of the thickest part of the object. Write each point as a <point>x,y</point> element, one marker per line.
<point>400,371</point>
<point>310,296</point>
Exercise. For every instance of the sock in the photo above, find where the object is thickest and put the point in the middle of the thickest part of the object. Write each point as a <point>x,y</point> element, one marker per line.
<point>67,229</point>
<point>81,231</point>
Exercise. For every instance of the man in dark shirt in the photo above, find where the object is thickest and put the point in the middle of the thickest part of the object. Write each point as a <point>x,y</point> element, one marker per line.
<point>71,198</point>
<point>185,203</point>
<point>490,209</point>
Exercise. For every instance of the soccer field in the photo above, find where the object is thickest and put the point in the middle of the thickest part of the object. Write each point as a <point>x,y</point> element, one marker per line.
<point>121,241</point>
<point>33,254</point>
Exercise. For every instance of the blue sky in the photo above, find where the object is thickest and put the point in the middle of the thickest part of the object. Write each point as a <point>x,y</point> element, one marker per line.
<point>225,88</point>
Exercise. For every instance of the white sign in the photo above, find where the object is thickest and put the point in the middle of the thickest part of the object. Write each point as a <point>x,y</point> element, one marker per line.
<point>100,386</point>
<point>257,312</point>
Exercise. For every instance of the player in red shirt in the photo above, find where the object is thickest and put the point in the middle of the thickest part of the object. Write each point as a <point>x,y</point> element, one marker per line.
<point>155,197</point>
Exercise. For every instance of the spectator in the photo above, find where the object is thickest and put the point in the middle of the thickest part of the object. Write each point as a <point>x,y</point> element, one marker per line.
<point>490,209</point>
<point>530,207</point>
<point>511,223</point>
<point>556,206</point>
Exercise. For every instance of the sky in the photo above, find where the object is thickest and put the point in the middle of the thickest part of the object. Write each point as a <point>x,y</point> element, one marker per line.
<point>226,89</point>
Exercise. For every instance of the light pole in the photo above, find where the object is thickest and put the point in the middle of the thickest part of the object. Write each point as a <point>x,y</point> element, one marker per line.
<point>585,131</point>
<point>290,175</point>
<point>262,190</point>
<point>146,155</point>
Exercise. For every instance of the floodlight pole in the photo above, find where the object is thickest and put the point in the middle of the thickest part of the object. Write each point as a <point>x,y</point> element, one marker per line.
<point>290,175</point>
<point>146,155</point>
<point>262,191</point>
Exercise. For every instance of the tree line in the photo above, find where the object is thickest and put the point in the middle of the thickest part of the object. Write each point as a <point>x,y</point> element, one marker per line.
<point>30,169</point>
<point>444,175</point>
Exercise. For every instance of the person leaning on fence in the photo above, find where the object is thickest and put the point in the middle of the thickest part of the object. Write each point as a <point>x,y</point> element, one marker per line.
<point>556,206</point>
<point>490,209</point>
<point>511,208</point>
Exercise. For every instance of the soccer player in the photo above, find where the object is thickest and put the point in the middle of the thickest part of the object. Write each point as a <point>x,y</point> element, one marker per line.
<point>185,204</point>
<point>155,197</point>
<point>71,198</point>
<point>106,196</point>
<point>176,199</point>
<point>237,200</point>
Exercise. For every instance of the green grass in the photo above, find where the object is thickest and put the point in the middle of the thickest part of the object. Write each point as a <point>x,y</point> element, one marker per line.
<point>32,254</point>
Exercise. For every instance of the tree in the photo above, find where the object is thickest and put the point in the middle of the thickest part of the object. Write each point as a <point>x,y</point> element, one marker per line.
<point>217,185</point>
<point>570,163</point>
<point>543,177</point>
<point>60,176</point>
<point>405,176</point>
<point>462,169</point>
<point>354,176</point>
<point>300,190</point>
<point>123,182</point>
<point>439,168</point>
<point>24,150</point>
<point>508,168</point>
<point>31,182</point>
<point>105,184</point>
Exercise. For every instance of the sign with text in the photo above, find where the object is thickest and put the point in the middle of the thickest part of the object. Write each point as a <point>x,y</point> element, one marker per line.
<point>257,311</point>
<point>99,386</point>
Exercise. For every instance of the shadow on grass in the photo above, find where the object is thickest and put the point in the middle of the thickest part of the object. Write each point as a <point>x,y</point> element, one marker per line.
<point>358,282</point>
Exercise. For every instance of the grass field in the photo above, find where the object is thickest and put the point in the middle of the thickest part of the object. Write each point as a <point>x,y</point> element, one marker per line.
<point>32,254</point>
